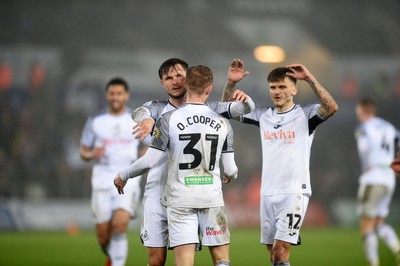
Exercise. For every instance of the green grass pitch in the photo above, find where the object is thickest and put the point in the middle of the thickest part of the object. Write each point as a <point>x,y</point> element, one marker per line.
<point>325,246</point>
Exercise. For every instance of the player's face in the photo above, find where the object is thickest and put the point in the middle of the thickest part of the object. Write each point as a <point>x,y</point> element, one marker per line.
<point>361,114</point>
<point>117,97</point>
<point>282,93</point>
<point>173,82</point>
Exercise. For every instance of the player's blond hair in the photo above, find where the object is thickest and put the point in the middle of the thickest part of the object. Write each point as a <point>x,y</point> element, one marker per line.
<point>198,78</point>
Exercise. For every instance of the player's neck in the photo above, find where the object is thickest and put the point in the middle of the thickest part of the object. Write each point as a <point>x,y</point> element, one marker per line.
<point>118,111</point>
<point>177,101</point>
<point>284,108</point>
<point>196,98</point>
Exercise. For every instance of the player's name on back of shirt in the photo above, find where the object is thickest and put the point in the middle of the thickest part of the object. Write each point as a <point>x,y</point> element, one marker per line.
<point>196,119</point>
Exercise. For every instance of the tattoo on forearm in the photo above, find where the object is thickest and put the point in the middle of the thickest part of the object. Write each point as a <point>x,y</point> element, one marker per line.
<point>227,93</point>
<point>328,104</point>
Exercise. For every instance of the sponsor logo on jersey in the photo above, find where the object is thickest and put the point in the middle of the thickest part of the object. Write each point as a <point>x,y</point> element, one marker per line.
<point>199,180</point>
<point>287,136</point>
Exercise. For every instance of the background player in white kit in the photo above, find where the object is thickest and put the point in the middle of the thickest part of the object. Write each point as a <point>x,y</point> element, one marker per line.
<point>172,73</point>
<point>107,140</point>
<point>196,138</point>
<point>287,131</point>
<point>376,140</point>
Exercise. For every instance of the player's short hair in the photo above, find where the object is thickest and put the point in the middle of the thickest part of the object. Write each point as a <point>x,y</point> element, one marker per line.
<point>172,62</point>
<point>279,74</point>
<point>198,78</point>
<point>368,105</point>
<point>117,81</point>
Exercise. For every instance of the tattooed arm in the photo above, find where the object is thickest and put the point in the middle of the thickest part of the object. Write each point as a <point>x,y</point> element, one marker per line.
<point>328,104</point>
<point>235,74</point>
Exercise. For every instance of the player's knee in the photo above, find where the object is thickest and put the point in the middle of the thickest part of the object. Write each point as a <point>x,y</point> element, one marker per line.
<point>280,253</point>
<point>157,258</point>
<point>156,261</point>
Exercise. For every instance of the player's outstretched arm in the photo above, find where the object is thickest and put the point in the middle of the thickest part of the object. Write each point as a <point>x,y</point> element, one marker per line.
<point>241,104</point>
<point>328,104</point>
<point>139,167</point>
<point>230,168</point>
<point>236,73</point>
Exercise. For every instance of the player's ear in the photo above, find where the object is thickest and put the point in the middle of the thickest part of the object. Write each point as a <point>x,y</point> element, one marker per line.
<point>294,91</point>
<point>208,89</point>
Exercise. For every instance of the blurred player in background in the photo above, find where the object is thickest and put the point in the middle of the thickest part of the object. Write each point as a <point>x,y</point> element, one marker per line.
<point>287,131</point>
<point>376,147</point>
<point>107,140</point>
<point>196,139</point>
<point>172,74</point>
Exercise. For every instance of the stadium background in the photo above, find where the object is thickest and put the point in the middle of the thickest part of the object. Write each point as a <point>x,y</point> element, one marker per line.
<point>56,56</point>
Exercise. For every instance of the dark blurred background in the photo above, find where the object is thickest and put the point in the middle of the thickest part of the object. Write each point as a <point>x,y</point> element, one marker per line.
<point>56,57</point>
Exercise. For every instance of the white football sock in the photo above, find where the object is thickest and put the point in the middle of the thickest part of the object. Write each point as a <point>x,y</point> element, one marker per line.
<point>371,248</point>
<point>118,249</point>
<point>388,235</point>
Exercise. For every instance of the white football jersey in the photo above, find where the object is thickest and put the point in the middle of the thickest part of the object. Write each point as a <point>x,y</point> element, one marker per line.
<point>286,140</point>
<point>157,175</point>
<point>114,132</point>
<point>376,147</point>
<point>194,137</point>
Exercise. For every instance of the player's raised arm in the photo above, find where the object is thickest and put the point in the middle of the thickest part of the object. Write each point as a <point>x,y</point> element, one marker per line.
<point>328,104</point>
<point>236,73</point>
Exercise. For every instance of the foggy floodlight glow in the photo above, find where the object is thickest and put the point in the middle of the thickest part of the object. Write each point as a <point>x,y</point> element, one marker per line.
<point>269,54</point>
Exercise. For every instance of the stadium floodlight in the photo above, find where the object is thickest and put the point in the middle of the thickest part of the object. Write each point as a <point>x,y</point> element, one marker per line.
<point>269,54</point>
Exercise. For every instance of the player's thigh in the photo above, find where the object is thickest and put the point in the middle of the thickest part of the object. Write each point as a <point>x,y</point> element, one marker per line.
<point>182,226</point>
<point>154,226</point>
<point>374,200</point>
<point>213,225</point>
<point>290,213</point>
<point>267,221</point>
<point>101,203</point>
<point>129,201</point>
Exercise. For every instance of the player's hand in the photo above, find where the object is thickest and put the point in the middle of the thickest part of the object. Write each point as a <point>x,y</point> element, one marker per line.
<point>395,165</point>
<point>98,152</point>
<point>119,184</point>
<point>226,180</point>
<point>300,72</point>
<point>236,71</point>
<point>143,128</point>
<point>239,96</point>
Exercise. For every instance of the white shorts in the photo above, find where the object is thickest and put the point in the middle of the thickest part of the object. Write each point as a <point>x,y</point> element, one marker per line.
<point>281,217</point>
<point>374,200</point>
<point>184,225</point>
<point>154,228</point>
<point>106,201</point>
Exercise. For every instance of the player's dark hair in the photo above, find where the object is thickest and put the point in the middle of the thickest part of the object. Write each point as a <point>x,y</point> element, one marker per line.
<point>279,74</point>
<point>164,68</point>
<point>368,105</point>
<point>117,81</point>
